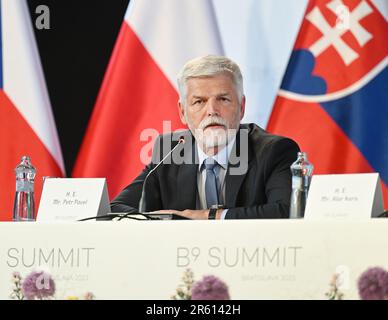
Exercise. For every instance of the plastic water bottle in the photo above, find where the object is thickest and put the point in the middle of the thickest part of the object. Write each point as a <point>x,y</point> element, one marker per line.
<point>24,204</point>
<point>301,171</point>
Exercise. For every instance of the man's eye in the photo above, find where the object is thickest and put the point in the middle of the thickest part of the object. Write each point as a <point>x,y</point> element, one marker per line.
<point>224,99</point>
<point>197,101</point>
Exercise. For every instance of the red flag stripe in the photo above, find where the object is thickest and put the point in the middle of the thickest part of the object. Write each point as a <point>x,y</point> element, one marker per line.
<point>24,141</point>
<point>322,139</point>
<point>112,142</point>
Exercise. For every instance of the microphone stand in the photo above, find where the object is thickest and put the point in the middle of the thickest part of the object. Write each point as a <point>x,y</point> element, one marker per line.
<point>142,202</point>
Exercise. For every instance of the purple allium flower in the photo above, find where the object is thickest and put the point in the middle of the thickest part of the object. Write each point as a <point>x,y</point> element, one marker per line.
<point>373,284</point>
<point>210,288</point>
<point>38,285</point>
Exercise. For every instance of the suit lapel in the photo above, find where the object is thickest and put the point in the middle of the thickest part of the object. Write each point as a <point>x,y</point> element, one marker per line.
<point>187,175</point>
<point>239,162</point>
<point>187,182</point>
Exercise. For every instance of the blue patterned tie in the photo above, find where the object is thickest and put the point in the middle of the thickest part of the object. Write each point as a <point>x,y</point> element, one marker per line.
<point>211,182</point>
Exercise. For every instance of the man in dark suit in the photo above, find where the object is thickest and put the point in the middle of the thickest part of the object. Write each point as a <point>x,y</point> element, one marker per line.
<point>223,170</point>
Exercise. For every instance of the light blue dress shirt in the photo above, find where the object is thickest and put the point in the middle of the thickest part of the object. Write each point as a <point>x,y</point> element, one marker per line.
<point>222,158</point>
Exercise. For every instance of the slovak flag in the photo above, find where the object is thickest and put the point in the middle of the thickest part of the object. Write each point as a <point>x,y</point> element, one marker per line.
<point>26,121</point>
<point>334,96</point>
<point>138,98</point>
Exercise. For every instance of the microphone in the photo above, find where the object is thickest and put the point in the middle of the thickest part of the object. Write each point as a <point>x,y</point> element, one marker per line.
<point>120,216</point>
<point>142,202</point>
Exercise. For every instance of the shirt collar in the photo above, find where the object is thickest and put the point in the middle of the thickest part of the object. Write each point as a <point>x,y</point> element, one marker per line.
<point>222,157</point>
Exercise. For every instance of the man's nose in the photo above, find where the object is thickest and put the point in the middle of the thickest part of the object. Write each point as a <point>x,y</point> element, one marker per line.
<point>212,108</point>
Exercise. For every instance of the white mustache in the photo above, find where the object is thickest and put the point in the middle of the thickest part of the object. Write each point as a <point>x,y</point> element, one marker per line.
<point>212,121</point>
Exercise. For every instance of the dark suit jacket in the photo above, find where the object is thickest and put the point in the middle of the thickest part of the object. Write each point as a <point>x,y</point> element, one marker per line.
<point>257,183</point>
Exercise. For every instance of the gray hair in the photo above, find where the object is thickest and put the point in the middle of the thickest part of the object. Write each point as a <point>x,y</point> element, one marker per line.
<point>208,66</point>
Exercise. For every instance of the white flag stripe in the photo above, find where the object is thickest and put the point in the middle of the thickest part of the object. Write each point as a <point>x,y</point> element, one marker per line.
<point>23,77</point>
<point>175,31</point>
<point>382,6</point>
<point>259,35</point>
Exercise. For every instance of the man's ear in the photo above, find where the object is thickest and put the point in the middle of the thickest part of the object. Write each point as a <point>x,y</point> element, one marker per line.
<point>242,107</point>
<point>181,108</point>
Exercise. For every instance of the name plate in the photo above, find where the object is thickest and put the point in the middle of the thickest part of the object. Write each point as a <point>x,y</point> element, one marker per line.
<point>71,199</point>
<point>344,196</point>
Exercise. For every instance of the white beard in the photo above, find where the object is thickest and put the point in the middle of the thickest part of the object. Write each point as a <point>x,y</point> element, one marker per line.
<point>210,138</point>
